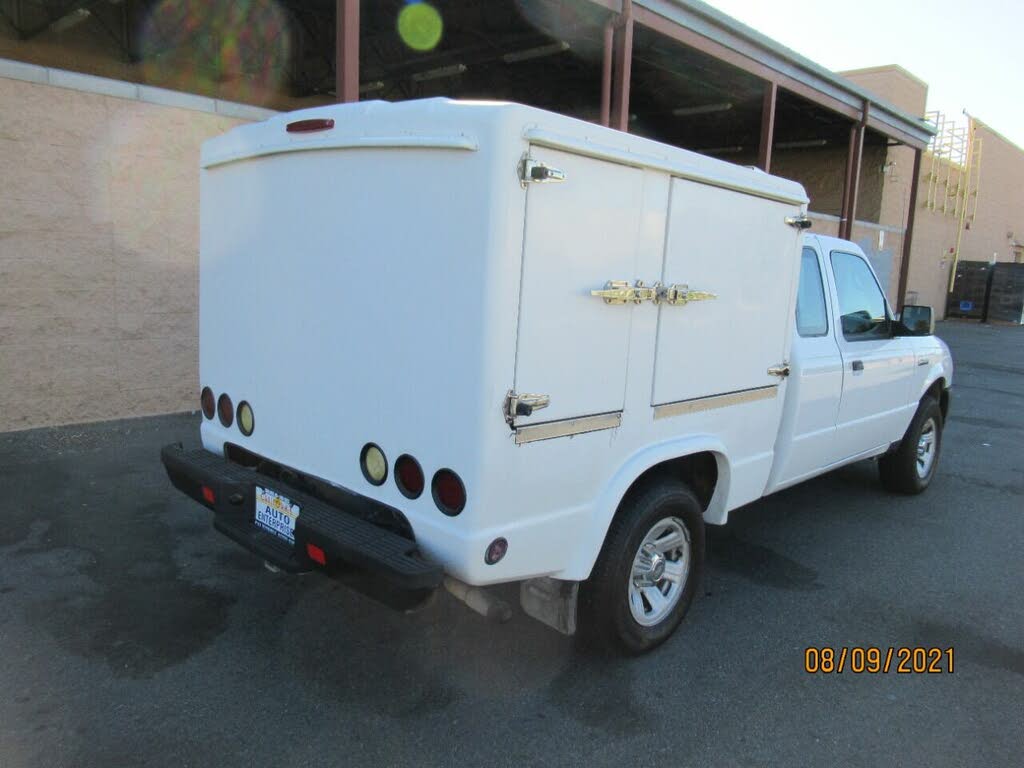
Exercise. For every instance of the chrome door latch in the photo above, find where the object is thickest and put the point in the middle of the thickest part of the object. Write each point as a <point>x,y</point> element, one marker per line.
<point>621,292</point>
<point>523,405</point>
<point>782,371</point>
<point>679,294</point>
<point>535,172</point>
<point>802,221</point>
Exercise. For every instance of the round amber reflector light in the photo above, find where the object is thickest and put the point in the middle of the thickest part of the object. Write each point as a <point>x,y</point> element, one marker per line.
<point>374,464</point>
<point>246,419</point>
<point>208,403</point>
<point>449,492</point>
<point>225,410</point>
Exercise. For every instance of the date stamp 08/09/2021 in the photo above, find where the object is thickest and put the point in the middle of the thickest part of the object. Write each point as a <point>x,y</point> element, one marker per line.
<point>873,660</point>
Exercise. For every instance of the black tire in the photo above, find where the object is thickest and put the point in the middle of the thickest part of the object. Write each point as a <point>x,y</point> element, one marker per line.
<point>899,469</point>
<point>605,619</point>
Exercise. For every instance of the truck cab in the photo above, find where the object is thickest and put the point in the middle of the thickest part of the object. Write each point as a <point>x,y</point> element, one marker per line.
<point>857,374</point>
<point>468,343</point>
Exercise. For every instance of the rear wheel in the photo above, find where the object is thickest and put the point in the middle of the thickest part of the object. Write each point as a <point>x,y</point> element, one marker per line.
<point>648,571</point>
<point>911,467</point>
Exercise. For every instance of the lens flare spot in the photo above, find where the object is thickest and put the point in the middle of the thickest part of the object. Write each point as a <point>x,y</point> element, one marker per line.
<point>234,49</point>
<point>420,26</point>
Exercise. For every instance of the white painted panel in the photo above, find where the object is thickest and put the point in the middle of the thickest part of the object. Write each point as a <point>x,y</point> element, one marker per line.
<point>739,248</point>
<point>807,436</point>
<point>580,233</point>
<point>877,403</point>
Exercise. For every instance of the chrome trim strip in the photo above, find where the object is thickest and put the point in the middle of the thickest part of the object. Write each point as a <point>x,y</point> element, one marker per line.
<point>715,401</point>
<point>532,432</point>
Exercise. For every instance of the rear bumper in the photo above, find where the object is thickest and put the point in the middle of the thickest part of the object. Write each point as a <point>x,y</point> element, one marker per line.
<point>345,538</point>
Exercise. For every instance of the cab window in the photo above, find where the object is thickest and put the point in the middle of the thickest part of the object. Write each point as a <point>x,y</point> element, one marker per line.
<point>811,317</point>
<point>862,310</point>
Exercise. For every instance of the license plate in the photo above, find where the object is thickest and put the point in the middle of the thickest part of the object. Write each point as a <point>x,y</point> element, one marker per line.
<point>276,514</point>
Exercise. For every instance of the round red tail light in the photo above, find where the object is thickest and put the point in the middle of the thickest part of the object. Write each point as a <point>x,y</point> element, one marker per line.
<point>409,476</point>
<point>449,492</point>
<point>225,410</point>
<point>206,400</point>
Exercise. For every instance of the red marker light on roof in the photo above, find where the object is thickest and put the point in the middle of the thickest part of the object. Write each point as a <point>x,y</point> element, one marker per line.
<point>309,126</point>
<point>316,554</point>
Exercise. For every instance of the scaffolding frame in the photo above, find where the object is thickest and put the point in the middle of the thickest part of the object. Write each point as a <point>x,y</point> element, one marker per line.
<point>954,176</point>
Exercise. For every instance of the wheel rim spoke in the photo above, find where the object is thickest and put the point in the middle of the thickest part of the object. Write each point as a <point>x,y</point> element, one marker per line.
<point>636,602</point>
<point>926,448</point>
<point>674,571</point>
<point>670,542</point>
<point>656,599</point>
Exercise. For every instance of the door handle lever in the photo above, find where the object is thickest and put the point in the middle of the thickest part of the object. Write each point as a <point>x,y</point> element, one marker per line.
<point>857,365</point>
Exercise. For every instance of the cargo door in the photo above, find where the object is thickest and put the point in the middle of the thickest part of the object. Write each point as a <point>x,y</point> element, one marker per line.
<point>737,258</point>
<point>580,233</point>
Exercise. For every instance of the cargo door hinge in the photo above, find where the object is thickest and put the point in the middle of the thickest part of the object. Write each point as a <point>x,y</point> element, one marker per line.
<point>802,221</point>
<point>523,405</point>
<point>782,370</point>
<point>535,172</point>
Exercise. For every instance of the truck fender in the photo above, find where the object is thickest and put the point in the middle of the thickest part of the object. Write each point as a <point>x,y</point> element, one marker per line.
<point>612,493</point>
<point>935,373</point>
<point>941,367</point>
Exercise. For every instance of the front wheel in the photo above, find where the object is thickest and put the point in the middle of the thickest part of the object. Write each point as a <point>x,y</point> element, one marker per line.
<point>911,467</point>
<point>648,571</point>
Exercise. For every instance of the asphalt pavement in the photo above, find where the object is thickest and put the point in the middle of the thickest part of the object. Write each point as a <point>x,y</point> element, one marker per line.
<point>133,634</point>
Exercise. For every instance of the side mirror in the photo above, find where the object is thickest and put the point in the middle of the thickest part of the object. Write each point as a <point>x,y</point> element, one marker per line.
<point>916,321</point>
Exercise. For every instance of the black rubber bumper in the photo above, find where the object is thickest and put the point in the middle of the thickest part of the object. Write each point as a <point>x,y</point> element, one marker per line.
<point>345,538</point>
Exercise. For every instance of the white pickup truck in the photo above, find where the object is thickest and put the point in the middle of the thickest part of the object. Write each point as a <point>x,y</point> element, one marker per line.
<point>472,343</point>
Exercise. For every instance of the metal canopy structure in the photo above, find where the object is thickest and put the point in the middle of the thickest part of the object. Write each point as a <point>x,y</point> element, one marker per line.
<point>678,71</point>
<point>700,26</point>
<point>663,61</point>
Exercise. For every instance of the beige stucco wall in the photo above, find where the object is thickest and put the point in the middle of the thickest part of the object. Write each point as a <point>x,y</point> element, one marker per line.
<point>1000,216</point>
<point>998,223</point>
<point>98,255</point>
<point>1000,209</point>
<point>893,84</point>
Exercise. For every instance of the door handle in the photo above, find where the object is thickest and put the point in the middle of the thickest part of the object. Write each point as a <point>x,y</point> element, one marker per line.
<point>857,365</point>
<point>523,405</point>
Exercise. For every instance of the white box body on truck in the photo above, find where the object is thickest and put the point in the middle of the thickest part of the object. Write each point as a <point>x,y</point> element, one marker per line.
<point>474,343</point>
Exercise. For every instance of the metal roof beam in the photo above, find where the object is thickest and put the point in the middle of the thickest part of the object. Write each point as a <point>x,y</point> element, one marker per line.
<point>701,27</point>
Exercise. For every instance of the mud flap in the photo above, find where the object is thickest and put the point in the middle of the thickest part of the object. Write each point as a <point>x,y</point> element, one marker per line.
<point>551,602</point>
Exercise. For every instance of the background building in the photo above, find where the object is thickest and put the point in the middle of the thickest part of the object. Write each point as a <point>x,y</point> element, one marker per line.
<point>970,190</point>
<point>104,105</point>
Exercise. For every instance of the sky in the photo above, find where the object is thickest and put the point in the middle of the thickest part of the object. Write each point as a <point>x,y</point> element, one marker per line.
<point>970,52</point>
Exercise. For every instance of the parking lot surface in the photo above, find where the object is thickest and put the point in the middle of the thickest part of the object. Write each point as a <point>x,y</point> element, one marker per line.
<point>131,633</point>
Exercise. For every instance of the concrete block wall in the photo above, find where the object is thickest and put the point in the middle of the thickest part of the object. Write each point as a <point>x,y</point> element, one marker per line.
<point>98,246</point>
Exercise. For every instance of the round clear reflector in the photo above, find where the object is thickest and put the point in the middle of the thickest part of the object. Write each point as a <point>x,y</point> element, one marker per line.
<point>374,464</point>
<point>246,419</point>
